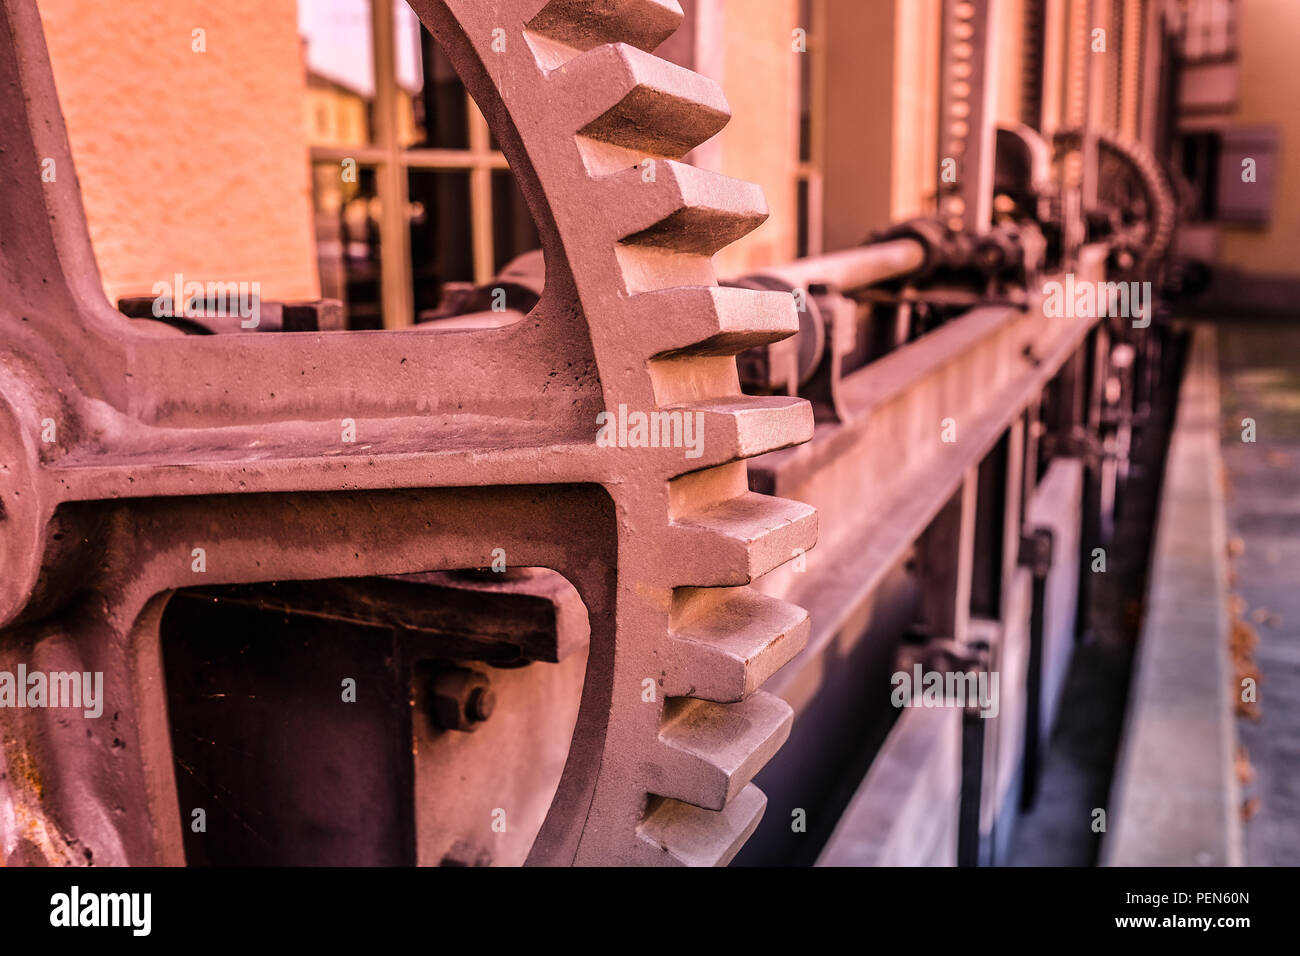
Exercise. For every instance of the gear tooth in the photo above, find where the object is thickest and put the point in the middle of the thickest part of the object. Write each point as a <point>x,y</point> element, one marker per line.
<point>583,24</point>
<point>686,209</point>
<point>712,320</point>
<point>744,426</point>
<point>646,104</point>
<point>711,751</point>
<point>727,651</point>
<point>740,539</point>
<point>677,833</point>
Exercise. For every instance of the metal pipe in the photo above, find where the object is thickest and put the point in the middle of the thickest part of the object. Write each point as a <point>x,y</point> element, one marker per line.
<point>853,268</point>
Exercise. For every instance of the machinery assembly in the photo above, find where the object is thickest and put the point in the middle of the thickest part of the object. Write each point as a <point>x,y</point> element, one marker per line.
<point>616,551</point>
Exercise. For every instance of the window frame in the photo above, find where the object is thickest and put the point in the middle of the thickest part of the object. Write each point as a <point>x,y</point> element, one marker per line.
<point>391,162</point>
<point>809,172</point>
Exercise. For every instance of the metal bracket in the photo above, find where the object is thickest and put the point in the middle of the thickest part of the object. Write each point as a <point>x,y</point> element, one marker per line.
<point>1036,551</point>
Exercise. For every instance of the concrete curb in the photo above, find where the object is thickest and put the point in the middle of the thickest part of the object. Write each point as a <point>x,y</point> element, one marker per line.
<point>1175,799</point>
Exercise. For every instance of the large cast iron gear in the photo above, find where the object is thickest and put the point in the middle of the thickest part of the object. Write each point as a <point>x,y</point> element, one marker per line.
<point>466,442</point>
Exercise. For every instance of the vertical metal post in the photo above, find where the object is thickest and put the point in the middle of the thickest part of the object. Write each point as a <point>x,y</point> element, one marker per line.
<point>972,780</point>
<point>1093,354</point>
<point>1013,507</point>
<point>1131,67</point>
<point>967,113</point>
<point>1036,554</point>
<point>1094,100</point>
<point>1153,46</point>
<point>1033,432</point>
<point>1055,58</point>
<point>1033,80</point>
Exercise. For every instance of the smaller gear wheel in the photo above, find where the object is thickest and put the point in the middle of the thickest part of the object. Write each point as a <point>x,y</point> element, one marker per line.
<point>1138,196</point>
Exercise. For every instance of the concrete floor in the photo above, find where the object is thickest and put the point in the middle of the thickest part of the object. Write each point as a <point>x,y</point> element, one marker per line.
<point>1260,379</point>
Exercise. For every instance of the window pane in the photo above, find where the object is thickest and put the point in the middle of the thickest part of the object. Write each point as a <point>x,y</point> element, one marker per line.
<point>513,232</point>
<point>347,242</point>
<point>408,39</point>
<point>432,98</point>
<point>441,247</point>
<point>340,79</point>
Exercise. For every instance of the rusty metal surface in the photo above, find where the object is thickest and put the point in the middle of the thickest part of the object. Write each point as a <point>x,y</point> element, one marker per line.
<point>231,443</point>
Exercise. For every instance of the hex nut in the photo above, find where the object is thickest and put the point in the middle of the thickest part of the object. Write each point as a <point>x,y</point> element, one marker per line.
<point>460,699</point>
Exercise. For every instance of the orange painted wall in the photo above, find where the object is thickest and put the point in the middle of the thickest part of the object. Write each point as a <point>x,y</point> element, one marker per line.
<point>1269,92</point>
<point>189,162</point>
<point>760,76</point>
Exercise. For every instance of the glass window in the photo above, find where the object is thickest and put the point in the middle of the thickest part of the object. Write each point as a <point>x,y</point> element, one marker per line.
<point>340,77</point>
<point>347,241</point>
<point>513,231</point>
<point>440,230</point>
<point>424,180</point>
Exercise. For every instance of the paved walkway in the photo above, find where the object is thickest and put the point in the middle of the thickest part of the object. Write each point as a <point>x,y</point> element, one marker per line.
<point>1260,370</point>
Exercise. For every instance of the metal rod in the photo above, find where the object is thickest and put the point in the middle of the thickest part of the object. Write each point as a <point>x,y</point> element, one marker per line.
<point>853,268</point>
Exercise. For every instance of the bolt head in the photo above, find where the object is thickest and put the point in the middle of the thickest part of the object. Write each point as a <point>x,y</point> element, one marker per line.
<point>460,699</point>
<point>482,702</point>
